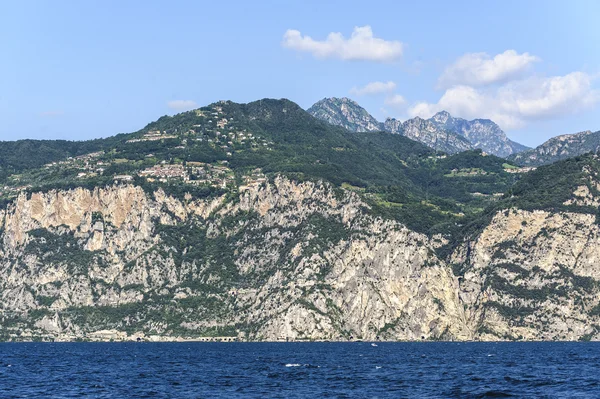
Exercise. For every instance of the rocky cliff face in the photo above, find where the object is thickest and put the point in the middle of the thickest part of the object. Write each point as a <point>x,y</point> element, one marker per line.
<point>559,148</point>
<point>428,133</point>
<point>533,275</point>
<point>393,125</point>
<point>289,261</point>
<point>280,261</point>
<point>481,133</point>
<point>346,113</point>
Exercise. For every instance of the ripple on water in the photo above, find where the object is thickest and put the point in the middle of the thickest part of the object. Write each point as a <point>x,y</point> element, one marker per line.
<point>292,370</point>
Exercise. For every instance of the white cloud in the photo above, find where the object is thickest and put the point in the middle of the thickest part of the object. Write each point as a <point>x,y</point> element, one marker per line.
<point>558,95</point>
<point>462,101</point>
<point>182,105</point>
<point>514,104</point>
<point>396,101</point>
<point>361,45</point>
<point>479,69</point>
<point>374,88</point>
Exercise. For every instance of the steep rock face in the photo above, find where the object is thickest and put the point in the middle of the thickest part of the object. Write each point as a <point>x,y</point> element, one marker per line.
<point>282,261</point>
<point>379,286</point>
<point>559,148</point>
<point>393,125</point>
<point>428,133</point>
<point>74,210</point>
<point>127,210</point>
<point>290,261</point>
<point>481,133</point>
<point>346,113</point>
<point>533,275</point>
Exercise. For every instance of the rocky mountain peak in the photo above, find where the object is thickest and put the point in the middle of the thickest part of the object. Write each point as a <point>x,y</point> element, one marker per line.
<point>428,132</point>
<point>463,134</point>
<point>392,125</point>
<point>481,133</point>
<point>441,117</point>
<point>559,148</point>
<point>346,113</point>
<point>344,100</point>
<point>572,137</point>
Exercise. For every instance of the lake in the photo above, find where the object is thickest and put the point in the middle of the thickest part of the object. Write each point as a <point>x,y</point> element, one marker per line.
<point>299,370</point>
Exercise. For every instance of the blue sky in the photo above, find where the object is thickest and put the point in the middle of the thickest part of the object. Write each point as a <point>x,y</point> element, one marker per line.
<point>86,69</point>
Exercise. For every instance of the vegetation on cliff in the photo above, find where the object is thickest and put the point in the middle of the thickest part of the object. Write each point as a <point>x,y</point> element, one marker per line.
<point>262,221</point>
<point>401,178</point>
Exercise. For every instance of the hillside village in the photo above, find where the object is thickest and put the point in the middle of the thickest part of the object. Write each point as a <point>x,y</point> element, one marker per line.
<point>168,165</point>
<point>157,156</point>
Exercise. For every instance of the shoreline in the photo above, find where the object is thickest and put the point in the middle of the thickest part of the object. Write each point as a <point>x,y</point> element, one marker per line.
<point>232,341</point>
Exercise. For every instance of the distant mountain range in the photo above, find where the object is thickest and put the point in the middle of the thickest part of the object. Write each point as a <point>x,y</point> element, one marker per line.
<point>441,132</point>
<point>429,133</point>
<point>481,133</point>
<point>559,148</point>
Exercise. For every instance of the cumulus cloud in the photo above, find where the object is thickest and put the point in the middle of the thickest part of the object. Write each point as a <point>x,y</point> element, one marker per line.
<point>514,104</point>
<point>479,69</point>
<point>545,97</point>
<point>361,45</point>
<point>182,105</point>
<point>374,88</point>
<point>396,101</point>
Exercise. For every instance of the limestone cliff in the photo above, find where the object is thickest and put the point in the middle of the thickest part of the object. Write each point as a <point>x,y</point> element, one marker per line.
<point>283,260</point>
<point>533,275</point>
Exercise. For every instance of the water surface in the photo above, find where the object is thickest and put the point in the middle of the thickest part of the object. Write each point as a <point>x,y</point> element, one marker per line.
<point>299,370</point>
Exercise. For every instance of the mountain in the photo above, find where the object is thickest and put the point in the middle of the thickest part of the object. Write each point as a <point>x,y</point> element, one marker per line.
<point>441,132</point>
<point>348,114</point>
<point>528,266</point>
<point>481,133</point>
<point>260,222</point>
<point>277,136</point>
<point>30,154</point>
<point>345,113</point>
<point>558,148</point>
<point>430,134</point>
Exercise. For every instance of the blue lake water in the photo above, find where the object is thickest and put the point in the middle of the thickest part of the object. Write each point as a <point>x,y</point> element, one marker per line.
<point>299,370</point>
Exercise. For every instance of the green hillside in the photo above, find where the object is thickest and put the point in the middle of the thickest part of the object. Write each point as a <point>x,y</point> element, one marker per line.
<point>215,148</point>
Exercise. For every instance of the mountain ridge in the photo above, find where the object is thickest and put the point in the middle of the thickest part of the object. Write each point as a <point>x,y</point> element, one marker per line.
<point>559,148</point>
<point>482,133</point>
<point>452,134</point>
<point>427,132</point>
